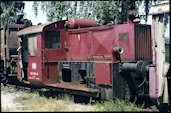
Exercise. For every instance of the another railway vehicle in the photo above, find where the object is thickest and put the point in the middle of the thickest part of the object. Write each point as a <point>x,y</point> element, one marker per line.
<point>9,45</point>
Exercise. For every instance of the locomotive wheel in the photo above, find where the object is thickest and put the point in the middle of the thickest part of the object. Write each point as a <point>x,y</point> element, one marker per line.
<point>130,87</point>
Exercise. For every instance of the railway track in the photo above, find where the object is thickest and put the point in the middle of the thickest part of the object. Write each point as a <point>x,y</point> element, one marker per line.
<point>13,83</point>
<point>18,88</point>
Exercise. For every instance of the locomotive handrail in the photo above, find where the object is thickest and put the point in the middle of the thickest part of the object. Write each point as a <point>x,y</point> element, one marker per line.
<point>97,55</point>
<point>76,31</point>
<point>43,59</point>
<point>44,56</point>
<point>101,29</point>
<point>72,32</point>
<point>43,63</point>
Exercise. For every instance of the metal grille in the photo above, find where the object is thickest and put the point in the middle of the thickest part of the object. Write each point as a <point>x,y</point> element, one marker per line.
<point>143,49</point>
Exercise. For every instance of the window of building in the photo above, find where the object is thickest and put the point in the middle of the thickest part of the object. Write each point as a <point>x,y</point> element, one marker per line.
<point>52,40</point>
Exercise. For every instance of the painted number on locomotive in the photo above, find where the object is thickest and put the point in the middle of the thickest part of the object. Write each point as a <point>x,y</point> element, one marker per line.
<point>34,73</point>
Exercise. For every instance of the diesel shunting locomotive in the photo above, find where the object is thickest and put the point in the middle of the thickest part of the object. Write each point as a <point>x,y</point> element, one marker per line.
<point>80,57</point>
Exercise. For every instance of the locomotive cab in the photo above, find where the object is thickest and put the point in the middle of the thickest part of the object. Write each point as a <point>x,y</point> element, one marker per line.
<point>40,47</point>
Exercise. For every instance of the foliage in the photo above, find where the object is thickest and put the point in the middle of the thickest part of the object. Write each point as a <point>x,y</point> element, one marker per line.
<point>102,11</point>
<point>55,10</point>
<point>10,8</point>
<point>147,5</point>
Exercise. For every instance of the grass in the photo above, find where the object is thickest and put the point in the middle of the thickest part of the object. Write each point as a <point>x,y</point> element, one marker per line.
<point>65,102</point>
<point>117,105</point>
<point>34,102</point>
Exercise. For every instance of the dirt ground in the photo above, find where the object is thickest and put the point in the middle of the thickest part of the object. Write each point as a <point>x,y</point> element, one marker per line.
<point>7,102</point>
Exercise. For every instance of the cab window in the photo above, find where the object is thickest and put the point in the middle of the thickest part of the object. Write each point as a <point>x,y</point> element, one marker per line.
<point>32,45</point>
<point>52,40</point>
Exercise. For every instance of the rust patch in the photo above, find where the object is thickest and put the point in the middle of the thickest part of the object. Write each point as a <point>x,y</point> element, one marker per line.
<point>80,87</point>
<point>123,37</point>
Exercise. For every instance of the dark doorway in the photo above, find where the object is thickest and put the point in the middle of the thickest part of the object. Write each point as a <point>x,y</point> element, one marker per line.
<point>81,75</point>
<point>66,75</point>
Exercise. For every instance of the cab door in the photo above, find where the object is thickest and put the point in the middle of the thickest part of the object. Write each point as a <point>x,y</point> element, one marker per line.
<point>34,70</point>
<point>52,52</point>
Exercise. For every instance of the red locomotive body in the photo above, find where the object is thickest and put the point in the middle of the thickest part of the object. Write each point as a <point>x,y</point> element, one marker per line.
<point>82,59</point>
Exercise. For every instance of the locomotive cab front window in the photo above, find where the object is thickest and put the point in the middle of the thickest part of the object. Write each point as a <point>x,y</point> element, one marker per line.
<point>52,40</point>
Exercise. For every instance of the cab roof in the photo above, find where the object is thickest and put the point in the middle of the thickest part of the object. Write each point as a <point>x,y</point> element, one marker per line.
<point>34,29</point>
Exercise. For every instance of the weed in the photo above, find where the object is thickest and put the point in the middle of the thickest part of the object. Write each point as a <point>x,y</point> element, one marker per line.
<point>34,102</point>
<point>65,102</point>
<point>117,105</point>
<point>65,97</point>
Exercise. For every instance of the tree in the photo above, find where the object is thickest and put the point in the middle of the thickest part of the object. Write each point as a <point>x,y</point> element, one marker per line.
<point>103,12</point>
<point>55,10</point>
<point>108,11</point>
<point>10,8</point>
<point>148,4</point>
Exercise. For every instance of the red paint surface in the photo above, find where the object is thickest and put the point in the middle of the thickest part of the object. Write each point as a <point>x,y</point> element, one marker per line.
<point>54,54</point>
<point>51,57</point>
<point>128,46</point>
<point>18,71</point>
<point>103,73</point>
<point>35,74</point>
<point>81,23</point>
<point>79,46</point>
<point>101,42</point>
<point>98,42</point>
<point>49,72</point>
